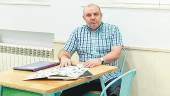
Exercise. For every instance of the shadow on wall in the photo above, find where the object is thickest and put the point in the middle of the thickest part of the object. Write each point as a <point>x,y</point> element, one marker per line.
<point>58,46</point>
<point>37,39</point>
<point>0,38</point>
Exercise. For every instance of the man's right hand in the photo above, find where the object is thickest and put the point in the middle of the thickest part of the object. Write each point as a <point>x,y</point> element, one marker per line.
<point>64,61</point>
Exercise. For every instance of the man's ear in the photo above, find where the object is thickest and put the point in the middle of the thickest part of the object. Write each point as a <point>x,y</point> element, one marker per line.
<point>83,17</point>
<point>101,14</point>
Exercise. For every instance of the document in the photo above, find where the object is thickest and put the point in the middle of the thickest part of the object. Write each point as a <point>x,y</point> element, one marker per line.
<point>65,73</point>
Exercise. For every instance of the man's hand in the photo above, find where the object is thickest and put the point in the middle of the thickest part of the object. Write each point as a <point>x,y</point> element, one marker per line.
<point>92,63</point>
<point>65,62</point>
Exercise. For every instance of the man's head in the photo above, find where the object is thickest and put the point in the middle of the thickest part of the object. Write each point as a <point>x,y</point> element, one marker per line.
<point>93,16</point>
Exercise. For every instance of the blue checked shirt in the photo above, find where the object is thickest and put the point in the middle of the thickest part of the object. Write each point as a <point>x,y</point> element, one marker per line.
<point>90,45</point>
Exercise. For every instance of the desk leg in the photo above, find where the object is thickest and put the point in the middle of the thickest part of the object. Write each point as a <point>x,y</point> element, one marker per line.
<point>58,93</point>
<point>53,94</point>
<point>103,85</point>
<point>0,90</point>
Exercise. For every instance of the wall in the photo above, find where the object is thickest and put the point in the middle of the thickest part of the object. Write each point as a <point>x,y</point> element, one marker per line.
<point>66,17</point>
<point>58,46</point>
<point>147,28</point>
<point>33,18</point>
<point>27,38</point>
<point>26,24</point>
<point>54,18</point>
<point>152,77</point>
<point>143,27</point>
<point>152,65</point>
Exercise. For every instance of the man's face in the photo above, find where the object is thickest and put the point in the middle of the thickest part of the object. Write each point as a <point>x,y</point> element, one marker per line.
<point>92,16</point>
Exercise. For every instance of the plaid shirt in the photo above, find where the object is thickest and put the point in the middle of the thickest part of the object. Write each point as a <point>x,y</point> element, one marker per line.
<point>90,45</point>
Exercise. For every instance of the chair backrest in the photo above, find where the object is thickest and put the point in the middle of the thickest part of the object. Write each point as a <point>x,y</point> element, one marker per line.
<point>126,83</point>
<point>122,60</point>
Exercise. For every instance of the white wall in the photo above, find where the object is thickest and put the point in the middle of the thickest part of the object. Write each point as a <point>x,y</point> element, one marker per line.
<point>152,78</point>
<point>25,18</point>
<point>148,28</point>
<point>18,22</point>
<point>67,16</point>
<point>59,18</point>
<point>141,27</point>
<point>27,38</point>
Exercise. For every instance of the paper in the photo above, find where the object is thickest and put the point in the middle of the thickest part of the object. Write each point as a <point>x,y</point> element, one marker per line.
<point>69,72</point>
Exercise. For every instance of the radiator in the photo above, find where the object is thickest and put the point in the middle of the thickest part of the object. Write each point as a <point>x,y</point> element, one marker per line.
<point>16,55</point>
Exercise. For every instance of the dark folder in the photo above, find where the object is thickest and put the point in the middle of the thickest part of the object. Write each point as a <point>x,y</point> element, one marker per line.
<point>36,66</point>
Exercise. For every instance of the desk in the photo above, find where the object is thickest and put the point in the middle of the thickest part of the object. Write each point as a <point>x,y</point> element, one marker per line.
<point>12,81</point>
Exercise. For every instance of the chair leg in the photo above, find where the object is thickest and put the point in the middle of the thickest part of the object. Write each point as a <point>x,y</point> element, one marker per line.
<point>103,85</point>
<point>92,94</point>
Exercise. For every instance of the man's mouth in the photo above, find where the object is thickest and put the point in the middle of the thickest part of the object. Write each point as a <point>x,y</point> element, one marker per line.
<point>93,23</point>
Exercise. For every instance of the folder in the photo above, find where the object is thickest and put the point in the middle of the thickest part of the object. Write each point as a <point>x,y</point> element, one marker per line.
<point>36,66</point>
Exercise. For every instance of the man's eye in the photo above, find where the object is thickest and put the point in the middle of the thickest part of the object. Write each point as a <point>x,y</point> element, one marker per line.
<point>96,14</point>
<point>88,15</point>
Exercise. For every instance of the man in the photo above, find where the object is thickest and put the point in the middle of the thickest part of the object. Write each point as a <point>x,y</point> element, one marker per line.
<point>96,42</point>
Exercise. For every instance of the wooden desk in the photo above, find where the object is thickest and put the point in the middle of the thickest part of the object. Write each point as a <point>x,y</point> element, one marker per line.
<point>12,80</point>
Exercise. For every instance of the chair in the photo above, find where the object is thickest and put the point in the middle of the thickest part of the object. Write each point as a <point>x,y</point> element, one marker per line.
<point>126,83</point>
<point>122,60</point>
<point>120,64</point>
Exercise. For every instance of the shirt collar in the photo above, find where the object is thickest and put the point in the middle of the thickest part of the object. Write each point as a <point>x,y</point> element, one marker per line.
<point>100,27</point>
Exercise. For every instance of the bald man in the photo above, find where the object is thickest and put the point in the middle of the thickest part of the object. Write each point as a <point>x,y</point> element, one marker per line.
<point>96,43</point>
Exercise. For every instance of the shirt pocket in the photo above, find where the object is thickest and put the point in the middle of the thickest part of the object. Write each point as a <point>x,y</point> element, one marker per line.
<point>104,46</point>
<point>110,41</point>
<point>83,48</point>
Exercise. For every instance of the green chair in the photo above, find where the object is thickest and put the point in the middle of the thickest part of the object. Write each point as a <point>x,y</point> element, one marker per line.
<point>121,61</point>
<point>118,63</point>
<point>126,83</point>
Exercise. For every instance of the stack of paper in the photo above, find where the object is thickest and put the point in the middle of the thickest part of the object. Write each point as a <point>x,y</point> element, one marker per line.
<point>66,73</point>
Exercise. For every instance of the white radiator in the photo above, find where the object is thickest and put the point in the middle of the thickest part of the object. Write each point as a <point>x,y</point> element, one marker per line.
<point>17,55</point>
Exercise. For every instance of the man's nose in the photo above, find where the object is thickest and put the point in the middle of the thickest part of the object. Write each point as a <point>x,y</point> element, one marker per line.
<point>93,17</point>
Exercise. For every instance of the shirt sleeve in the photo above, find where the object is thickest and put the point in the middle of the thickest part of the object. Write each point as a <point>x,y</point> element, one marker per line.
<point>71,44</point>
<point>117,41</point>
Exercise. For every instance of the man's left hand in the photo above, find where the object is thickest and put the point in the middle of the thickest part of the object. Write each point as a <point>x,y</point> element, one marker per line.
<point>92,63</point>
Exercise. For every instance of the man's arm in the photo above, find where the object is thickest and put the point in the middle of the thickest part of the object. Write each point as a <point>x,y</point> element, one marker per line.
<point>113,55</point>
<point>108,58</point>
<point>64,57</point>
